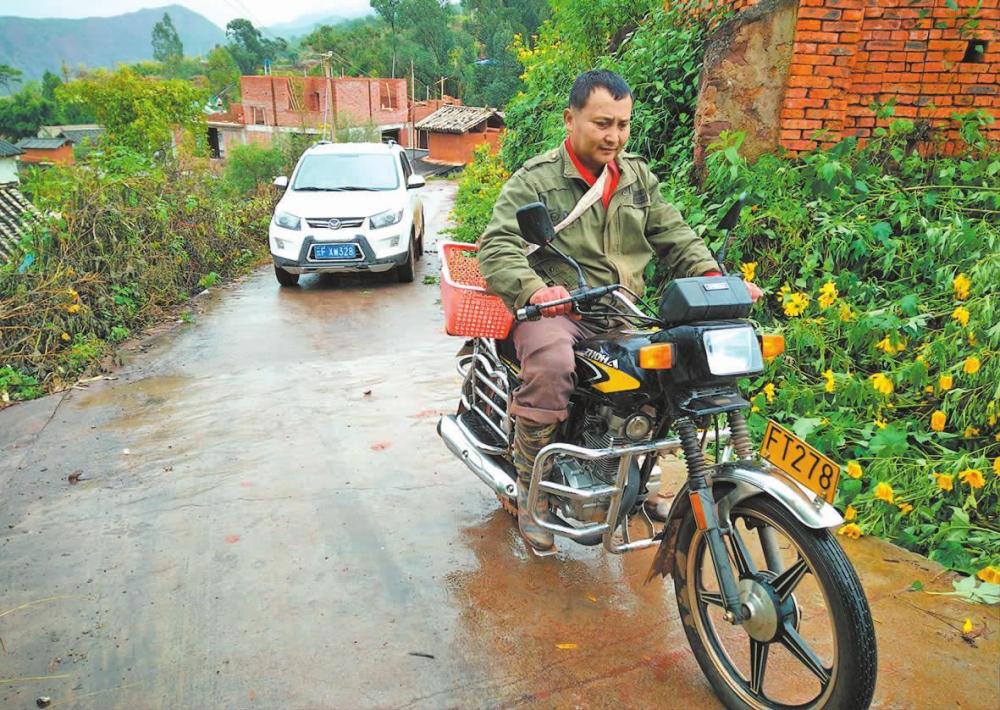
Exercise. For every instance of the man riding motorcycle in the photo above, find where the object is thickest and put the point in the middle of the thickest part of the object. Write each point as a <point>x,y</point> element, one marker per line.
<point>613,240</point>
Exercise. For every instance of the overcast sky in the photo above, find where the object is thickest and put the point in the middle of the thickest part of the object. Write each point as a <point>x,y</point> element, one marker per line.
<point>260,12</point>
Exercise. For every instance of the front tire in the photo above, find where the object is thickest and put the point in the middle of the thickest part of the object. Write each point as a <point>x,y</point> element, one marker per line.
<point>404,272</point>
<point>812,667</point>
<point>285,278</point>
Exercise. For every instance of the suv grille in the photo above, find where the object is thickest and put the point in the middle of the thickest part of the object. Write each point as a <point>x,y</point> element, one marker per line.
<point>345,222</point>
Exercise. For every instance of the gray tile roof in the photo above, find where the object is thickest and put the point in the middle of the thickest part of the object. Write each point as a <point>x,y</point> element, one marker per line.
<point>42,143</point>
<point>456,119</point>
<point>82,134</point>
<point>8,150</point>
<point>15,210</point>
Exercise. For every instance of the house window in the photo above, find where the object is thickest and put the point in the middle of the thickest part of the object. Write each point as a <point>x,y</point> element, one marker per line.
<point>314,101</point>
<point>387,97</point>
<point>259,117</point>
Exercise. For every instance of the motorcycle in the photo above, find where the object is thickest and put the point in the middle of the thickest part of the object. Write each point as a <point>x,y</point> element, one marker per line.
<point>761,582</point>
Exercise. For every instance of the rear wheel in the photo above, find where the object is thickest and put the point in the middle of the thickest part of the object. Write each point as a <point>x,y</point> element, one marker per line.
<point>420,243</point>
<point>285,278</point>
<point>404,272</point>
<point>809,642</point>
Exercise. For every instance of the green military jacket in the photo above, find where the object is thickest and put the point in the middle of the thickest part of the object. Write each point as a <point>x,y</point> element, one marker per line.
<point>612,246</point>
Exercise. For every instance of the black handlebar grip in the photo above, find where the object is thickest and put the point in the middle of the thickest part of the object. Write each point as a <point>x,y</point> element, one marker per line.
<point>529,312</point>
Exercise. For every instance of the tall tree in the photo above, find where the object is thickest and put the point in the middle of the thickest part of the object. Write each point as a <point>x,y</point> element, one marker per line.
<point>223,75</point>
<point>9,76</point>
<point>167,47</point>
<point>249,48</point>
<point>388,10</point>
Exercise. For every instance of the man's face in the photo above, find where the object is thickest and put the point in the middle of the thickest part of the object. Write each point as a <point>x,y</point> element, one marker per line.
<point>599,130</point>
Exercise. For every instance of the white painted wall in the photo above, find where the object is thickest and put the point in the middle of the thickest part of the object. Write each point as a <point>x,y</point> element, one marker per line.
<point>8,170</point>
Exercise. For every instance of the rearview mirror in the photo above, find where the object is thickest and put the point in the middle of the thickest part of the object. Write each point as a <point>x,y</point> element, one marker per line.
<point>535,224</point>
<point>281,182</point>
<point>415,181</point>
<point>733,215</point>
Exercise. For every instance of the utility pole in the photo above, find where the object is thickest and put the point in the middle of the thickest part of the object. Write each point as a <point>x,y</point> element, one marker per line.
<point>442,88</point>
<point>413,112</point>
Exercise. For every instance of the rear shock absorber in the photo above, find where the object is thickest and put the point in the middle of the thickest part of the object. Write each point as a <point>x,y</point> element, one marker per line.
<point>739,435</point>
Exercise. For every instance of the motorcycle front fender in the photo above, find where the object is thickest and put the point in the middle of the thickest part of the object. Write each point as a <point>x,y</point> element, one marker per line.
<point>733,483</point>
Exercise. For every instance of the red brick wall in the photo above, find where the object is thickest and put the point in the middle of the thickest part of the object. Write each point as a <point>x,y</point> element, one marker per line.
<point>849,54</point>
<point>62,155</point>
<point>458,147</point>
<point>382,101</point>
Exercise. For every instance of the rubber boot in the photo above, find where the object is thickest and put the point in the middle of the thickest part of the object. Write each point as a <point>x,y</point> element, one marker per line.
<point>529,439</point>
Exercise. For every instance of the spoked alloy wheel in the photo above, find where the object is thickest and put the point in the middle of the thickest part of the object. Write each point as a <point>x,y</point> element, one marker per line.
<point>809,642</point>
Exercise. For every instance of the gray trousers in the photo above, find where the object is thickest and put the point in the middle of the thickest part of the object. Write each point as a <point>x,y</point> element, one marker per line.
<point>548,369</point>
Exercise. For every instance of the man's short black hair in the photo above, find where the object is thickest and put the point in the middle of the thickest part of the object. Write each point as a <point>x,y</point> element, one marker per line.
<point>594,79</point>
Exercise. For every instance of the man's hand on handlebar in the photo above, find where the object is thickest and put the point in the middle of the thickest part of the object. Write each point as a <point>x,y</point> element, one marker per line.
<point>754,290</point>
<point>554,293</point>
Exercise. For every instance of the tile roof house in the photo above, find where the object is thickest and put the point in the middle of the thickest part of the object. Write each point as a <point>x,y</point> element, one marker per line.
<point>46,151</point>
<point>77,133</point>
<point>453,132</point>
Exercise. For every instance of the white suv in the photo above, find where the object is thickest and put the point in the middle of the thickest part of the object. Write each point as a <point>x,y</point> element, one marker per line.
<point>348,207</point>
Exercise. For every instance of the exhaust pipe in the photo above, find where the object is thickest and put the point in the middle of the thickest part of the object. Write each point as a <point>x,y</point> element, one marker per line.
<point>489,471</point>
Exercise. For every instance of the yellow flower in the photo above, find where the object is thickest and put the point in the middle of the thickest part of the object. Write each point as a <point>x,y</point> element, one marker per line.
<point>769,391</point>
<point>845,313</point>
<point>961,285</point>
<point>972,338</point>
<point>973,477</point>
<point>944,481</point>
<point>850,514</point>
<point>961,316</point>
<point>75,308</point>
<point>970,431</point>
<point>64,336</point>
<point>749,270</point>
<point>990,575</point>
<point>967,626</point>
<point>945,382</point>
<point>754,409</point>
<point>796,304</point>
<point>996,465</point>
<point>881,383</point>
<point>928,389</point>
<point>885,346</point>
<point>828,376</point>
<point>883,491</point>
<point>938,420</point>
<point>850,530</point>
<point>881,423</point>
<point>854,469</point>
<point>904,508</point>
<point>827,295</point>
<point>971,365</point>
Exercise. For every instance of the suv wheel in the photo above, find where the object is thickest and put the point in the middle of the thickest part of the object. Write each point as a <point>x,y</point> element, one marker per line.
<point>285,278</point>
<point>420,243</point>
<point>404,272</point>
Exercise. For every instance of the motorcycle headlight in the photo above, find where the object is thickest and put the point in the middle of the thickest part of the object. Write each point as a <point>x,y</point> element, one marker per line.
<point>732,351</point>
<point>287,220</point>
<point>385,219</point>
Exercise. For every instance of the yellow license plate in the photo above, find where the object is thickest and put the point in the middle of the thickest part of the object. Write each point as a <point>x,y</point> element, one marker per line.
<point>800,461</point>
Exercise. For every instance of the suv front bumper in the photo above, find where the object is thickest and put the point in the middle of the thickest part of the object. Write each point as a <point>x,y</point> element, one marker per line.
<point>367,261</point>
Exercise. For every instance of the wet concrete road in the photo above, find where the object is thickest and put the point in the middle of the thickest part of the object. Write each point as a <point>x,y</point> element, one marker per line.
<point>267,518</point>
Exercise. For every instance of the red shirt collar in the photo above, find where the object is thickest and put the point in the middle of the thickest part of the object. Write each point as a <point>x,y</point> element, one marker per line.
<point>590,178</point>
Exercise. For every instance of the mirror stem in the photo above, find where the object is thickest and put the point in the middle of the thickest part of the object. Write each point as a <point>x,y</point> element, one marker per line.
<point>581,281</point>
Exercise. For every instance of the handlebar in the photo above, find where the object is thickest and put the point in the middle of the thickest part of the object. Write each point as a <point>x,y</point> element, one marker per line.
<point>533,311</point>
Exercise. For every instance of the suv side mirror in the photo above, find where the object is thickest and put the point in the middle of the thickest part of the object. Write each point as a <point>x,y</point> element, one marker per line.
<point>415,181</point>
<point>535,224</point>
<point>281,182</point>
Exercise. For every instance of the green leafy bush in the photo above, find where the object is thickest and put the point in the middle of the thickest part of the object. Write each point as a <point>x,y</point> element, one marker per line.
<point>251,165</point>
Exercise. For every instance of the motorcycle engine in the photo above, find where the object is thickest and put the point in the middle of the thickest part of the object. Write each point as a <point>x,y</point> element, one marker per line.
<point>602,429</point>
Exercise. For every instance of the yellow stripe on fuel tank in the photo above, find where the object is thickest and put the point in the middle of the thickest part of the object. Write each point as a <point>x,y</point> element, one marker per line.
<point>617,381</point>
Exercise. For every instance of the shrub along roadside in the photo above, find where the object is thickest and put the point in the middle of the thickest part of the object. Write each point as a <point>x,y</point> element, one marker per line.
<point>881,268</point>
<point>127,239</point>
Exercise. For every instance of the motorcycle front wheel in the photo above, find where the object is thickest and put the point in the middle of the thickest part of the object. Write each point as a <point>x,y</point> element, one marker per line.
<point>809,641</point>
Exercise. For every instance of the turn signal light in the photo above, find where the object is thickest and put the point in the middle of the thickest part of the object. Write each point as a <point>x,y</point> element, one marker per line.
<point>772,345</point>
<point>656,357</point>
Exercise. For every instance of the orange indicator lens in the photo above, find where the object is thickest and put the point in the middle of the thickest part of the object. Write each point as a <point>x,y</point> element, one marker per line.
<point>656,357</point>
<point>772,345</point>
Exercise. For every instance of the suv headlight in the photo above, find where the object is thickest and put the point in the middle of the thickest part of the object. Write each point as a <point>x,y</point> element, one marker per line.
<point>385,219</point>
<point>287,220</point>
<point>732,351</point>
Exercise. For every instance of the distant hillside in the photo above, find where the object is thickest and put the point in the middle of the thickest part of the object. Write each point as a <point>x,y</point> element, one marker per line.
<point>305,24</point>
<point>34,45</point>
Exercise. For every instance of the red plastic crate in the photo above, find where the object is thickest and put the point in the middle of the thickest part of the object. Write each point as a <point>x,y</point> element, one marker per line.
<point>468,309</point>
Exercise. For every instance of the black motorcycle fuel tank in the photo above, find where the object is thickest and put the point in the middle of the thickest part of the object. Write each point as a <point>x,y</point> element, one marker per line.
<point>609,362</point>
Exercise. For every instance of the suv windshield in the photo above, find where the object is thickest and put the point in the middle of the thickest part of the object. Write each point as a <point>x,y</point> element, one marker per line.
<point>347,171</point>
